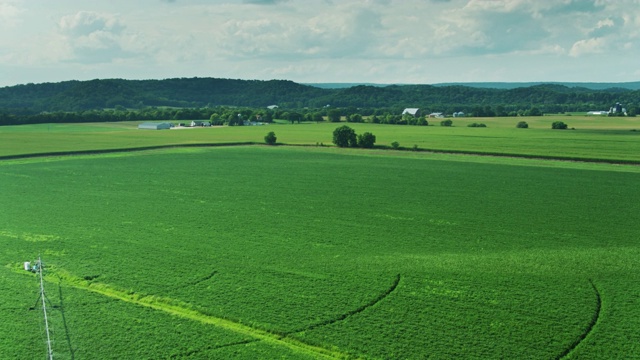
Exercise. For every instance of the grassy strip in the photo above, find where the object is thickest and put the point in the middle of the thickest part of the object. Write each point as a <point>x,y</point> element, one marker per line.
<point>183,310</point>
<point>535,157</point>
<point>425,150</point>
<point>119,150</point>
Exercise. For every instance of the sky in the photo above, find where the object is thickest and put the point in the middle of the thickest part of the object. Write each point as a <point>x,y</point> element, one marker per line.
<point>321,41</point>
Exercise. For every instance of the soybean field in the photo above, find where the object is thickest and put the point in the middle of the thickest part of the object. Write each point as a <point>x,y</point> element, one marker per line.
<point>307,252</point>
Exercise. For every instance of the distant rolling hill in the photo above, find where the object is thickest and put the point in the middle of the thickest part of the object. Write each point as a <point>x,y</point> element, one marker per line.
<point>499,85</point>
<point>513,85</point>
<point>99,94</point>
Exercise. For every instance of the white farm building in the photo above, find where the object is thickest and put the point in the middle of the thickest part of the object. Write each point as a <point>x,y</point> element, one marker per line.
<point>415,112</point>
<point>154,126</point>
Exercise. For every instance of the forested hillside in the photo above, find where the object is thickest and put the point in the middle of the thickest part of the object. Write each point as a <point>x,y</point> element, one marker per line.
<point>76,96</point>
<point>194,92</point>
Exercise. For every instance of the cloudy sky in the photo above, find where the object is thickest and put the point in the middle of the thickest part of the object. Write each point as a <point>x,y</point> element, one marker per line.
<point>375,41</point>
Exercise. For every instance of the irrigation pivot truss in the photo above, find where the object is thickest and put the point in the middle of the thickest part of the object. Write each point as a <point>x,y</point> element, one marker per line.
<point>38,268</point>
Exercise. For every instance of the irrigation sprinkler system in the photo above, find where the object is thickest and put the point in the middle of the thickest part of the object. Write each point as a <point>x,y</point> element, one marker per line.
<point>37,268</point>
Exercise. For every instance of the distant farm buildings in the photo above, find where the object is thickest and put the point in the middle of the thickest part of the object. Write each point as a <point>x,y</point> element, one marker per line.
<point>415,112</point>
<point>616,109</point>
<point>154,126</point>
<point>195,123</point>
<point>437,115</point>
<point>458,114</point>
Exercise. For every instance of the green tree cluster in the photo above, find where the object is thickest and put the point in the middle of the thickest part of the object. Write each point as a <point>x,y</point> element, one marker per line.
<point>344,136</point>
<point>271,138</point>
<point>558,125</point>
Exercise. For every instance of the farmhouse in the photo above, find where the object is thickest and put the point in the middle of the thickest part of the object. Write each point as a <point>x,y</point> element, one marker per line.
<point>415,112</point>
<point>154,126</point>
<point>436,115</point>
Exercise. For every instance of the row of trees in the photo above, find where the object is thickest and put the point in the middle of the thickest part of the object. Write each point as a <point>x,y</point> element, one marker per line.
<point>344,136</point>
<point>238,115</point>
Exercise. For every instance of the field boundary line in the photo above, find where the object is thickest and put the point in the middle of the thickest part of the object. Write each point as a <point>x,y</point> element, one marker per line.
<point>378,148</point>
<point>121,150</point>
<point>594,320</point>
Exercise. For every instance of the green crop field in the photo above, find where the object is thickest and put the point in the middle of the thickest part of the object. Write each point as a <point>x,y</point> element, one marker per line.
<point>317,252</point>
<point>613,139</point>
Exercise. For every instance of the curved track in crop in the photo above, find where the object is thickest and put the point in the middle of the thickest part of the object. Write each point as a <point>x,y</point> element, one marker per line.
<point>183,310</point>
<point>594,320</point>
<point>199,280</point>
<point>360,309</point>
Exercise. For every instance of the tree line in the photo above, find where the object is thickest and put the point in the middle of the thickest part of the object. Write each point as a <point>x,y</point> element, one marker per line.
<point>227,115</point>
<point>192,93</point>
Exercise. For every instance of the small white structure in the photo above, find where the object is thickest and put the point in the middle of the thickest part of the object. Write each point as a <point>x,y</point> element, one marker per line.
<point>27,266</point>
<point>272,107</point>
<point>458,114</point>
<point>195,123</point>
<point>597,113</point>
<point>436,115</point>
<point>154,126</point>
<point>411,111</point>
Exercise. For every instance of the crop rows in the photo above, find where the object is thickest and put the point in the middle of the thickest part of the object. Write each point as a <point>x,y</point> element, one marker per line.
<point>494,259</point>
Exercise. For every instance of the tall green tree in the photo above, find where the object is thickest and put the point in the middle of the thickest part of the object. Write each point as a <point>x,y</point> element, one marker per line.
<point>271,138</point>
<point>345,136</point>
<point>334,115</point>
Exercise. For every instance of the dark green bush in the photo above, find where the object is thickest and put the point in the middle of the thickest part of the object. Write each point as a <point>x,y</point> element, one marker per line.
<point>270,139</point>
<point>559,125</point>
<point>366,140</point>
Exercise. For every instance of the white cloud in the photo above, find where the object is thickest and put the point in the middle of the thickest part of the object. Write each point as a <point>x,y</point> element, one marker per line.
<point>88,22</point>
<point>92,37</point>
<point>9,14</point>
<point>329,40</point>
<point>588,46</point>
<point>294,33</point>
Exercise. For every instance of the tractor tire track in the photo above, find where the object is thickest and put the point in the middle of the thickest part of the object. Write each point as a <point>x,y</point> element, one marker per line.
<point>183,310</point>
<point>196,281</point>
<point>360,309</point>
<point>594,321</point>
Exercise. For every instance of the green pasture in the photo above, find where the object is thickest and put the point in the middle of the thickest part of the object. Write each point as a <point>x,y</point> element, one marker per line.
<point>311,252</point>
<point>596,138</point>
